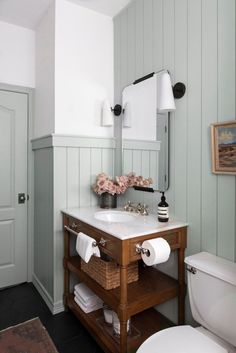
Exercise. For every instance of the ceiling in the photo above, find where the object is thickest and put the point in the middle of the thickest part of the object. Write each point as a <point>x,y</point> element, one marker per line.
<point>27,13</point>
<point>107,7</point>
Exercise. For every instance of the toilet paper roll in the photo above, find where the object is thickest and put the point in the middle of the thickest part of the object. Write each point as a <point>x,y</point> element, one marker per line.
<point>159,251</point>
<point>85,247</point>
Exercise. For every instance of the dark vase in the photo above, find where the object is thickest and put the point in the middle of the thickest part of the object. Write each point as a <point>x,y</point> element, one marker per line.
<point>108,201</point>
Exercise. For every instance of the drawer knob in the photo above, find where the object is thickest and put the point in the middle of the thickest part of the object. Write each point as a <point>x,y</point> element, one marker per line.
<point>103,242</point>
<point>74,226</point>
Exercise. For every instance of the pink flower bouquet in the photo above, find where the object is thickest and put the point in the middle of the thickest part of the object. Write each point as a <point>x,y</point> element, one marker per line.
<point>118,186</point>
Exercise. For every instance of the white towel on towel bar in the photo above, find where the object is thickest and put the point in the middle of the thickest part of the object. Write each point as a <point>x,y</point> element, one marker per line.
<point>85,247</point>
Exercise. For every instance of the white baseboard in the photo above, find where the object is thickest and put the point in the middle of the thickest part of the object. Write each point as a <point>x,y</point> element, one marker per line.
<point>55,308</point>
<point>58,307</point>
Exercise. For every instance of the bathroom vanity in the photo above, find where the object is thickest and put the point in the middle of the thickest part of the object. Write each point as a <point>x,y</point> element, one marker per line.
<point>118,237</point>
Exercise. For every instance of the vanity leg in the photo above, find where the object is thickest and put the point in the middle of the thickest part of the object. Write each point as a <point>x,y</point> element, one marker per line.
<point>181,280</point>
<point>66,271</point>
<point>122,309</point>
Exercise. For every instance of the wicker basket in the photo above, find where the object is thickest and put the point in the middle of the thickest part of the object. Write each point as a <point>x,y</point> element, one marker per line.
<point>107,274</point>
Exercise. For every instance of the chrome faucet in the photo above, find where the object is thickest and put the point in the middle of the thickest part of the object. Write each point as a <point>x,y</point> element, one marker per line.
<point>141,209</point>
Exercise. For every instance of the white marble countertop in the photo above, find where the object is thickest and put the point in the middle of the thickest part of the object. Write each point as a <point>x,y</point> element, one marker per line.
<point>141,225</point>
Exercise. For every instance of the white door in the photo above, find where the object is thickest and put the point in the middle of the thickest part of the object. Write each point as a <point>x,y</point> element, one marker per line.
<point>13,181</point>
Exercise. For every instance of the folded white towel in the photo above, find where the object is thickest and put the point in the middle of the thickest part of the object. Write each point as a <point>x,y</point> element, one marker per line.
<point>92,301</point>
<point>96,303</point>
<point>87,309</point>
<point>85,294</point>
<point>85,247</point>
<point>84,291</point>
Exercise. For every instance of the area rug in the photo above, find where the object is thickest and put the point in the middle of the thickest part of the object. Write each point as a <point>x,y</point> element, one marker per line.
<point>28,337</point>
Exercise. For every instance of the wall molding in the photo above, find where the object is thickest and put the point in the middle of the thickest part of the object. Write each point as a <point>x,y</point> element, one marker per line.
<point>55,140</point>
<point>56,307</point>
<point>145,145</point>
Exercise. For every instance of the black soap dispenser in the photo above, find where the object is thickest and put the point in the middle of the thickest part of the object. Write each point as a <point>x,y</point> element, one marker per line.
<point>163,209</point>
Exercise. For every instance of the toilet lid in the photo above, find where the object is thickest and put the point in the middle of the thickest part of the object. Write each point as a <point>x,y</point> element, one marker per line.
<point>180,339</point>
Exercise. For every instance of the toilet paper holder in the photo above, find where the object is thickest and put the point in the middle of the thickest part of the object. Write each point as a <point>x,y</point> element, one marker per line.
<point>141,250</point>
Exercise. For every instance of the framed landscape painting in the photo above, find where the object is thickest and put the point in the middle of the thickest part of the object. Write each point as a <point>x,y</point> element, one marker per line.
<point>223,137</point>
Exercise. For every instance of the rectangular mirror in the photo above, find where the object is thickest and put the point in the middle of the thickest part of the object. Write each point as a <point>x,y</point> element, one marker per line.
<point>145,132</point>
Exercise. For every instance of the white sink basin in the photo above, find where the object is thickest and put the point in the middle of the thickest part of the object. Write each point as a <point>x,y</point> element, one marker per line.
<point>114,216</point>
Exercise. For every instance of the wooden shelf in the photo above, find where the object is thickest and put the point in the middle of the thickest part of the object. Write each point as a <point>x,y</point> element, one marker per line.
<point>152,288</point>
<point>131,301</point>
<point>143,326</point>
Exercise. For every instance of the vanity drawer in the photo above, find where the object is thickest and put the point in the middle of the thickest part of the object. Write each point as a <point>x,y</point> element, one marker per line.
<point>107,244</point>
<point>74,224</point>
<point>171,238</point>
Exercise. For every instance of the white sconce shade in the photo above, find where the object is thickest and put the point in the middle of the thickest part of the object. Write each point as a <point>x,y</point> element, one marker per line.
<point>127,120</point>
<point>107,115</point>
<point>165,96</point>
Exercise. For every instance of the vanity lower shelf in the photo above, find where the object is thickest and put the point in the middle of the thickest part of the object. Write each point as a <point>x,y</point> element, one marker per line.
<point>143,325</point>
<point>152,288</point>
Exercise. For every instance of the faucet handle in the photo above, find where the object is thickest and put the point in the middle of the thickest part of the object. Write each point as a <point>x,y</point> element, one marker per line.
<point>144,210</point>
<point>139,207</point>
<point>127,206</point>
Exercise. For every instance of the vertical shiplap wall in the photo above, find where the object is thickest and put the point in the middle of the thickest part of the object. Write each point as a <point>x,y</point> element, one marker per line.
<point>43,220</point>
<point>195,40</point>
<point>65,169</point>
<point>75,170</point>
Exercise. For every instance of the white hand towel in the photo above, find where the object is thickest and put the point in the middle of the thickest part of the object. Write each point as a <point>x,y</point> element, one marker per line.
<point>91,302</point>
<point>85,294</point>
<point>85,247</point>
<point>97,302</point>
<point>87,309</point>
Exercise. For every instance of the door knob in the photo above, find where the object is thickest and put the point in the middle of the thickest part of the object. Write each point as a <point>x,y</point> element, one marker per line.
<point>21,198</point>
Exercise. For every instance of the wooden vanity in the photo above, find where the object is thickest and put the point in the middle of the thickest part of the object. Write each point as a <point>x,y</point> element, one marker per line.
<point>133,300</point>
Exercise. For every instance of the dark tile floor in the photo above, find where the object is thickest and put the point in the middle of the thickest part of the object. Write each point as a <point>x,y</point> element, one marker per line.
<point>23,302</point>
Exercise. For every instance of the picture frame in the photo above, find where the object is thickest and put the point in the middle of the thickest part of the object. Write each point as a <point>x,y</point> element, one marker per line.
<point>223,141</point>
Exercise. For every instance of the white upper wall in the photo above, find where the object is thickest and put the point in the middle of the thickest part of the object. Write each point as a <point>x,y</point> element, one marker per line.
<point>45,75</point>
<point>17,55</point>
<point>84,69</point>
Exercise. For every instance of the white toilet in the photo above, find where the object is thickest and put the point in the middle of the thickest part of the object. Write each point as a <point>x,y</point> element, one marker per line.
<point>212,293</point>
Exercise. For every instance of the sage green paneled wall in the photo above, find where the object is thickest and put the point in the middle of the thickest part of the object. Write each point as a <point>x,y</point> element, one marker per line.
<point>65,168</point>
<point>195,40</point>
<point>43,220</point>
<point>75,170</point>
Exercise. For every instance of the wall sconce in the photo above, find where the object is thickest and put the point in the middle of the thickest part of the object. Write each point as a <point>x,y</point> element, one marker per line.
<point>107,113</point>
<point>179,90</point>
<point>117,110</point>
<point>165,94</point>
<point>127,120</point>
<point>107,116</point>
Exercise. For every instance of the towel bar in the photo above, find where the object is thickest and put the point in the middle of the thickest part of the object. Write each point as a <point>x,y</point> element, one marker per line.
<point>101,242</point>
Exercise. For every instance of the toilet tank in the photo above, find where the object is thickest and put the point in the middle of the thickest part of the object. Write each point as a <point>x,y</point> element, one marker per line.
<point>212,294</point>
